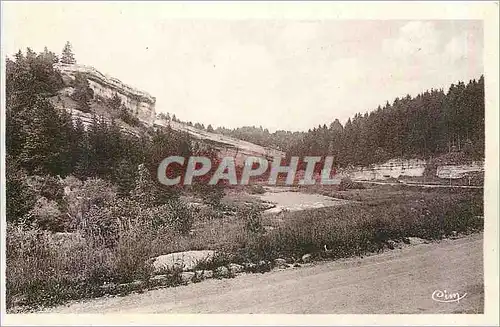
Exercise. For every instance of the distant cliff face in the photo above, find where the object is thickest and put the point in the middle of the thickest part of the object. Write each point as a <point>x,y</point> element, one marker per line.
<point>225,145</point>
<point>138,102</point>
<point>397,168</point>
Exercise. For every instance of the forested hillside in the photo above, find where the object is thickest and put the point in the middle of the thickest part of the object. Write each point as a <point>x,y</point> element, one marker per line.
<point>431,124</point>
<point>45,141</point>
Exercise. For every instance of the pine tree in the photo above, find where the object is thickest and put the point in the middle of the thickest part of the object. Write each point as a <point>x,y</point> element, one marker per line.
<point>40,153</point>
<point>115,102</point>
<point>19,196</point>
<point>145,191</point>
<point>82,94</point>
<point>124,175</point>
<point>67,56</point>
<point>80,150</point>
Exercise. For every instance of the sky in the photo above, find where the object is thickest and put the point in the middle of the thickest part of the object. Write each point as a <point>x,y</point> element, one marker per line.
<point>275,73</point>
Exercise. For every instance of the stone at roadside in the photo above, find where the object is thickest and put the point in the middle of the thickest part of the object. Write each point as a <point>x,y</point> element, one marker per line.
<point>222,272</point>
<point>391,244</point>
<point>108,287</point>
<point>204,274</point>
<point>280,263</point>
<point>184,261</point>
<point>159,278</point>
<point>235,268</point>
<point>306,258</point>
<point>297,265</point>
<point>250,267</point>
<point>263,266</point>
<point>454,234</point>
<point>416,240</point>
<point>129,287</point>
<point>187,276</point>
<point>136,284</point>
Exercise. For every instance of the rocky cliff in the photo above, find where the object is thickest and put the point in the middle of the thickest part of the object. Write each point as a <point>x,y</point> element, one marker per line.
<point>139,103</point>
<point>398,168</point>
<point>225,145</point>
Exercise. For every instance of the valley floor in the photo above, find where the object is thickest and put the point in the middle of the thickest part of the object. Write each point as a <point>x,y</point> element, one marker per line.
<point>397,281</point>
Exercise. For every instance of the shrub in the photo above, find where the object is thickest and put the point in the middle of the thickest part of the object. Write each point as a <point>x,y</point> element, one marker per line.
<point>94,193</point>
<point>20,198</point>
<point>47,186</point>
<point>82,92</point>
<point>128,118</point>
<point>211,194</point>
<point>46,215</point>
<point>357,229</point>
<point>175,214</point>
<point>104,223</point>
<point>253,220</point>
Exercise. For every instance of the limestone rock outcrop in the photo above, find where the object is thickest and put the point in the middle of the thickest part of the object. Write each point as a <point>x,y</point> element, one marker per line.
<point>139,103</point>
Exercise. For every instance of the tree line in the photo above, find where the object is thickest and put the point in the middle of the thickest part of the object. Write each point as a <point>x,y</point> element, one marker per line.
<point>431,124</point>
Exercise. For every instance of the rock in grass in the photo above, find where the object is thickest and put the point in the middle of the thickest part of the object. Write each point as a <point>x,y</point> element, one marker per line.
<point>108,287</point>
<point>235,268</point>
<point>263,266</point>
<point>280,263</point>
<point>184,261</point>
<point>250,267</point>
<point>222,272</point>
<point>162,280</point>
<point>416,240</point>
<point>204,274</point>
<point>391,244</point>
<point>306,258</point>
<point>187,276</point>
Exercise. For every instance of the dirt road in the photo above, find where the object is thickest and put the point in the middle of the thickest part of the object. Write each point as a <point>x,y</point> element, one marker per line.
<point>397,281</point>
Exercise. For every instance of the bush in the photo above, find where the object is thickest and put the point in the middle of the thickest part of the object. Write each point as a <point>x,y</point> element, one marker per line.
<point>82,92</point>
<point>211,194</point>
<point>20,198</point>
<point>128,118</point>
<point>253,220</point>
<point>93,193</point>
<point>44,271</point>
<point>46,215</point>
<point>104,223</point>
<point>47,186</point>
<point>40,272</point>
<point>175,214</point>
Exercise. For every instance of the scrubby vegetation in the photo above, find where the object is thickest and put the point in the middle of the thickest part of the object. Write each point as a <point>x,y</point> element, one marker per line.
<point>114,240</point>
